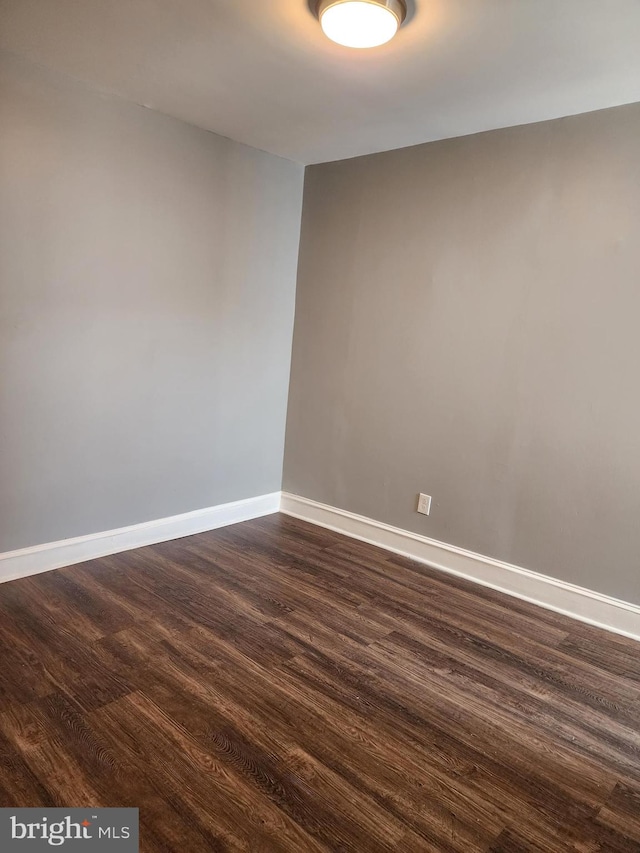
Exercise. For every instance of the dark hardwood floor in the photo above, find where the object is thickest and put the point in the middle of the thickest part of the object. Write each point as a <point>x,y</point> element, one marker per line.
<point>276,687</point>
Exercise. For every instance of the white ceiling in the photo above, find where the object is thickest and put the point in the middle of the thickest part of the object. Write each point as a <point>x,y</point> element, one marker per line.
<point>262,72</point>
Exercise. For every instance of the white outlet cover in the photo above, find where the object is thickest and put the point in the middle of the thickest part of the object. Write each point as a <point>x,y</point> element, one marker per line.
<point>424,504</point>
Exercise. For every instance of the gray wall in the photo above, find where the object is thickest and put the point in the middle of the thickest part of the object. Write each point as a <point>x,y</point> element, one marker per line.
<point>468,325</point>
<point>147,279</point>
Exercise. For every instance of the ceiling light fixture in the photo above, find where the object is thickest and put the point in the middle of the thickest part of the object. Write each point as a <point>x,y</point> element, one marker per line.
<point>361,23</point>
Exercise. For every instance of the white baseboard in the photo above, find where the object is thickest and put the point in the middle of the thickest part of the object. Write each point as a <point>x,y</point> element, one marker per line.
<point>55,555</point>
<point>586,605</point>
<point>621,617</point>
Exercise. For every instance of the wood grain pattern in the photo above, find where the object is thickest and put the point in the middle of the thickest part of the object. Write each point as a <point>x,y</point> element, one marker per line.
<point>273,686</point>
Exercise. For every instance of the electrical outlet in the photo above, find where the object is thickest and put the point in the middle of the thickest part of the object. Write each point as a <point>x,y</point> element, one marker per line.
<point>424,504</point>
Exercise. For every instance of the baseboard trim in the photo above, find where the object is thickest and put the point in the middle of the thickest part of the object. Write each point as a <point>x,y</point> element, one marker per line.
<point>577,602</point>
<point>55,555</point>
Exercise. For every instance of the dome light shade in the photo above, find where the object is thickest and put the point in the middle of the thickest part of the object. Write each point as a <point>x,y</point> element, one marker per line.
<point>361,23</point>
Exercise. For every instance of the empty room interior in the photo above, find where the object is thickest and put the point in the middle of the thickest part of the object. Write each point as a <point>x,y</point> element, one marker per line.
<point>320,426</point>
